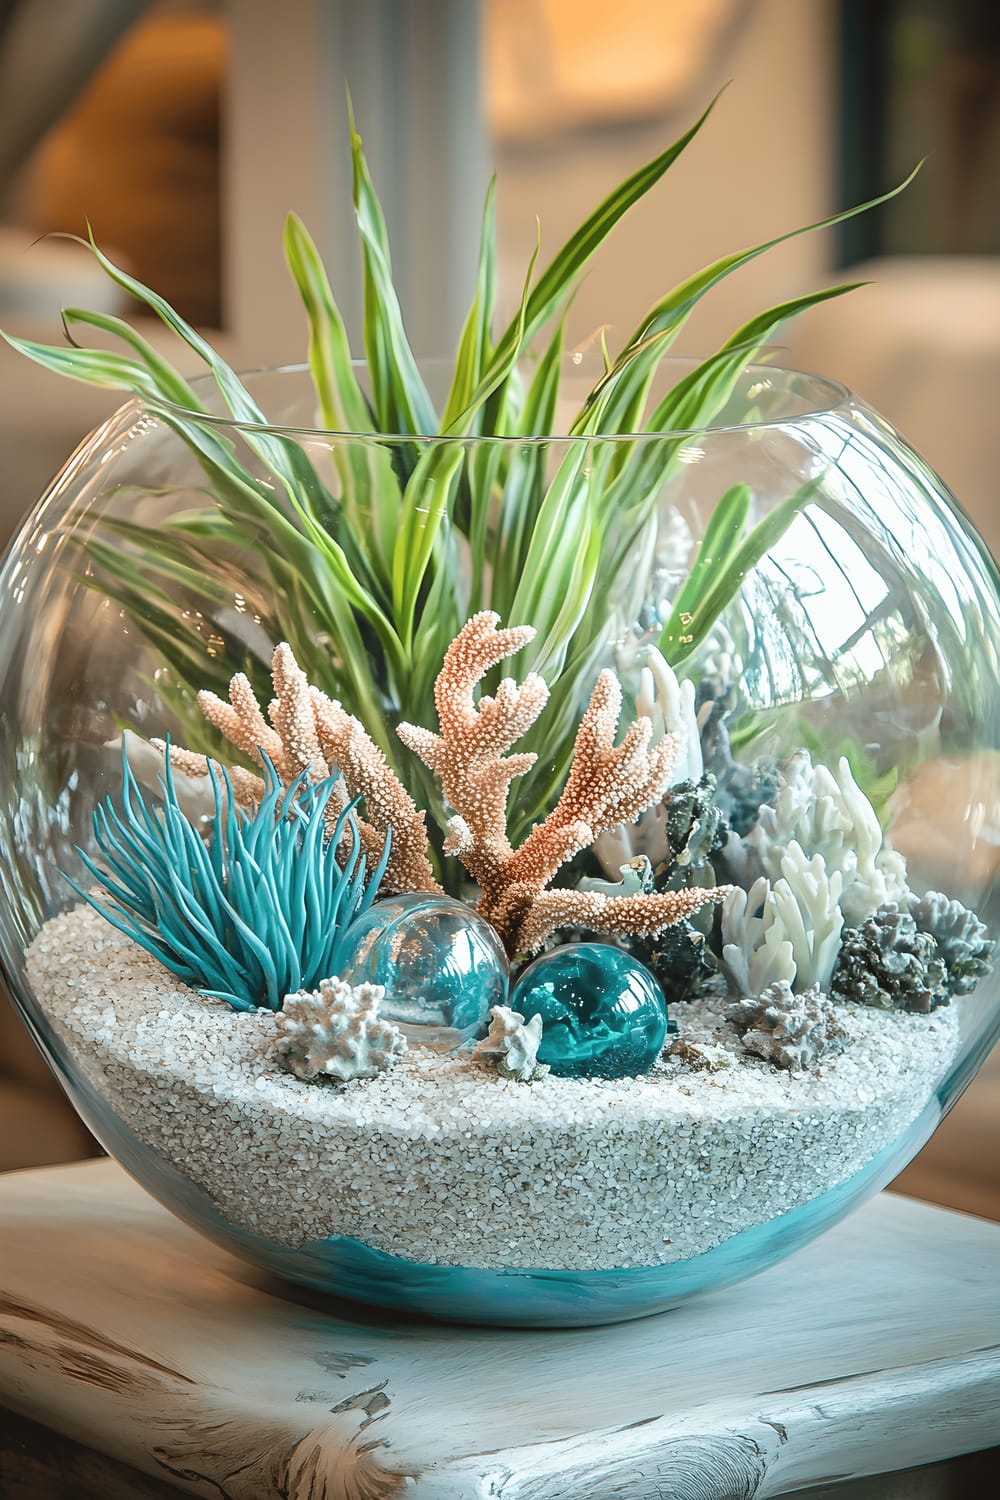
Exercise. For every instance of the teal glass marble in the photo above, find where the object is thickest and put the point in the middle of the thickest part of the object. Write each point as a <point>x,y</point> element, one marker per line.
<point>441,965</point>
<point>603,1013</point>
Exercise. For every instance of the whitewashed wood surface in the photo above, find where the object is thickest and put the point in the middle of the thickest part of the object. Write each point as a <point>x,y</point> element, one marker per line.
<point>876,1348</point>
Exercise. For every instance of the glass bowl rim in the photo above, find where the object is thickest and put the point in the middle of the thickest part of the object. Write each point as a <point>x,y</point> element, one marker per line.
<point>831,394</point>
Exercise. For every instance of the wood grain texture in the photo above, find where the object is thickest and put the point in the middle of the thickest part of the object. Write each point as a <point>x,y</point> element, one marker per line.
<point>39,1464</point>
<point>877,1348</point>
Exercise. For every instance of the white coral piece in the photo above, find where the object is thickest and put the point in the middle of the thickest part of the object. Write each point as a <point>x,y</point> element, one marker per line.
<point>670,707</point>
<point>786,932</point>
<point>791,1031</point>
<point>510,1047</point>
<point>336,1032</point>
<point>806,906</point>
<point>755,950</point>
<point>634,877</point>
<point>829,815</point>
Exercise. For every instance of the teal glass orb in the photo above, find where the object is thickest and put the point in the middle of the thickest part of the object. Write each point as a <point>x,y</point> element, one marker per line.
<point>603,1014</point>
<point>441,965</point>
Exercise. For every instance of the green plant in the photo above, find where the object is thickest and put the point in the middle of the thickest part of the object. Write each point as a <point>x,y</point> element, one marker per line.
<point>376,566</point>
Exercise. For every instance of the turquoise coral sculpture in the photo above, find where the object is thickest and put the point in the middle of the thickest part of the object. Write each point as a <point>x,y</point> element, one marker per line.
<point>250,914</point>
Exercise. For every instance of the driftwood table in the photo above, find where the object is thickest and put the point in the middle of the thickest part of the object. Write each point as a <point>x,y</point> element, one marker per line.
<point>138,1361</point>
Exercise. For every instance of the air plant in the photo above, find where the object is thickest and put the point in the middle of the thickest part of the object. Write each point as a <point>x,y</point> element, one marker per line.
<point>254,912</point>
<point>405,539</point>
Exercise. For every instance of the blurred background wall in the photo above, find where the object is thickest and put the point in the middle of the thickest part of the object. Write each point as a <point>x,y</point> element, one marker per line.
<point>183,132</point>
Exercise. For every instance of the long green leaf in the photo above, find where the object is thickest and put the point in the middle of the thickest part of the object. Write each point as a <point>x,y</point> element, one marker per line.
<point>282,454</point>
<point>402,403</point>
<point>475,346</point>
<point>680,639</point>
<point>371,494</point>
<point>90,366</point>
<point>669,314</point>
<point>576,252</point>
<point>525,487</point>
<point>426,503</point>
<point>169,382</point>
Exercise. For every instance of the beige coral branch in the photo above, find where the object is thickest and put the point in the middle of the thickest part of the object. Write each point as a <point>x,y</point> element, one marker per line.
<point>468,756</point>
<point>248,788</point>
<point>608,784</point>
<point>639,916</point>
<point>388,805</point>
<point>310,732</point>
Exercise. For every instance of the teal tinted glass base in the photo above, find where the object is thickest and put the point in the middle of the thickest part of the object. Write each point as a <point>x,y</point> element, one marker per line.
<point>603,1013</point>
<point>518,1298</point>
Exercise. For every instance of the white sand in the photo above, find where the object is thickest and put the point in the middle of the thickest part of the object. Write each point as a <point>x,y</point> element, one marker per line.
<point>439,1162</point>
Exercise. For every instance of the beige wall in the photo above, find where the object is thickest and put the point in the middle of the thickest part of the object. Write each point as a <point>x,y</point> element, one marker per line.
<point>763,163</point>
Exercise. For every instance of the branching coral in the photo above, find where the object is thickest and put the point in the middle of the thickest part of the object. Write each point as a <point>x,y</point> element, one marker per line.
<point>307,732</point>
<point>806,905</point>
<point>830,815</point>
<point>669,705</point>
<point>785,932</point>
<point>258,910</point>
<point>336,1032</point>
<point>607,784</point>
<point>755,952</point>
<point>791,1031</point>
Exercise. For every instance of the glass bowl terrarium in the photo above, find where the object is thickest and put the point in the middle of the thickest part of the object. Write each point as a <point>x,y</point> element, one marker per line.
<point>517,846</point>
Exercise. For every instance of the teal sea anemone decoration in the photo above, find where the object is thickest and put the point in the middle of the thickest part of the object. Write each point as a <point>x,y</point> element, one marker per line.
<point>255,911</point>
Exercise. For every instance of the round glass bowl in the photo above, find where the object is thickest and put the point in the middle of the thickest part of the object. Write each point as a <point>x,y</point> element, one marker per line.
<point>792,591</point>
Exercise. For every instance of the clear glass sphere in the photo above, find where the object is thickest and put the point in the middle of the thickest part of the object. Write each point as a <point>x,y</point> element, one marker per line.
<point>442,967</point>
<point>828,630</point>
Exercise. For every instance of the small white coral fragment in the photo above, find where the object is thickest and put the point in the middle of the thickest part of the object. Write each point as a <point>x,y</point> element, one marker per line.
<point>336,1032</point>
<point>510,1047</point>
<point>669,705</point>
<point>634,877</point>
<point>791,1031</point>
<point>195,794</point>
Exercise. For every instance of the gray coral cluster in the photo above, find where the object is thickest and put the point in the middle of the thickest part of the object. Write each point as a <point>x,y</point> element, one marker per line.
<point>961,938</point>
<point>791,1031</point>
<point>336,1032</point>
<point>887,963</point>
<point>913,957</point>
